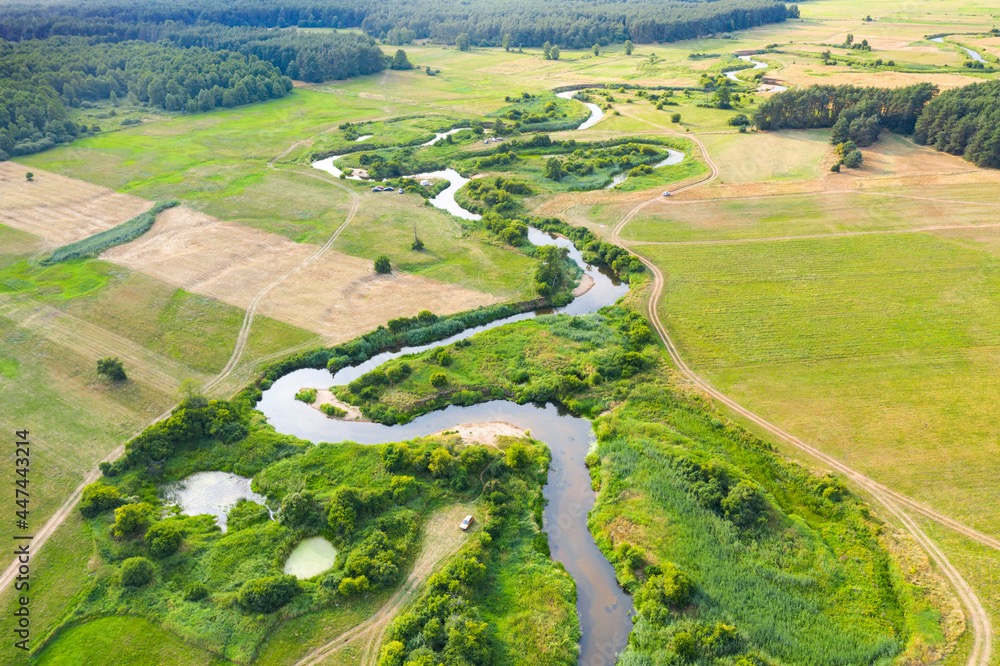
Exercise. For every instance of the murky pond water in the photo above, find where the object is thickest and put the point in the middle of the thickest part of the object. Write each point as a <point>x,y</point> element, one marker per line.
<point>213,493</point>
<point>310,558</point>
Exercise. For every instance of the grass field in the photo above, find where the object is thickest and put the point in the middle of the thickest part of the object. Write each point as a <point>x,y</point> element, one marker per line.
<point>877,342</point>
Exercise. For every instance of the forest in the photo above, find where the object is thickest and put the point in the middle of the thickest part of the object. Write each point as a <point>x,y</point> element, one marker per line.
<point>964,121</point>
<point>308,56</point>
<point>41,79</point>
<point>568,23</point>
<point>855,113</point>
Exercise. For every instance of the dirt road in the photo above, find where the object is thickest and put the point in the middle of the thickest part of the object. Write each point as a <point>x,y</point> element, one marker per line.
<point>980,626</point>
<point>441,538</point>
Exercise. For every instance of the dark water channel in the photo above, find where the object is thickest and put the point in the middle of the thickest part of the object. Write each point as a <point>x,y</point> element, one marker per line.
<point>604,609</point>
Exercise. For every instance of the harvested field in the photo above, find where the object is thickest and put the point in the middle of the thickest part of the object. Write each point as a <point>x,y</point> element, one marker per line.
<point>61,210</point>
<point>338,296</point>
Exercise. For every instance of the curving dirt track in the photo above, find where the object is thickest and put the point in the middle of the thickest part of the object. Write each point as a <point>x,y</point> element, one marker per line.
<point>441,539</point>
<point>980,626</point>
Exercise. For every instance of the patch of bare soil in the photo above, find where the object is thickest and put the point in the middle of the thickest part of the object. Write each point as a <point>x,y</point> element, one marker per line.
<point>337,296</point>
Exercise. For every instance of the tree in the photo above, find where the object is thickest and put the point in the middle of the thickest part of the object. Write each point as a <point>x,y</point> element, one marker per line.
<point>417,244</point>
<point>675,118</point>
<point>111,368</point>
<point>114,98</point>
<point>506,42</point>
<point>29,176</point>
<point>382,264</point>
<point>629,47</point>
<point>268,594</point>
<point>554,53</point>
<point>98,497</point>
<point>164,538</point>
<point>131,518</point>
<point>442,462</point>
<point>853,159</point>
<point>745,506</point>
<point>547,50</point>
<point>400,61</point>
<point>517,456</point>
<point>849,39</point>
<point>550,278</point>
<point>554,169</point>
<point>722,100</point>
<point>596,48</point>
<point>300,510</point>
<point>462,42</point>
<point>135,572</point>
<point>835,168</point>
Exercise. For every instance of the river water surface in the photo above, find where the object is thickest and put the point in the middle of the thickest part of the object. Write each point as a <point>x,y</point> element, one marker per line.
<point>604,609</point>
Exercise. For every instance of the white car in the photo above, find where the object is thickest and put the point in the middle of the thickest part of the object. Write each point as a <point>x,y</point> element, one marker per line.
<point>467,522</point>
<point>666,193</point>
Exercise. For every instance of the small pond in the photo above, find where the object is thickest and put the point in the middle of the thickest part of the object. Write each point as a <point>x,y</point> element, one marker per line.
<point>310,558</point>
<point>214,493</point>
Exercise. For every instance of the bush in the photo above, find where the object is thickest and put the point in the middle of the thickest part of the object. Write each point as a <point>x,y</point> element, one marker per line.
<point>131,518</point>
<point>126,232</point>
<point>382,264</point>
<point>112,368</point>
<point>662,593</point>
<point>268,594</point>
<point>739,120</point>
<point>245,514</point>
<point>675,118</point>
<point>350,587</point>
<point>438,379</point>
<point>745,506</point>
<point>853,159</point>
<point>136,572</point>
<point>300,510</point>
<point>164,538</point>
<point>306,395</point>
<point>195,592</point>
<point>332,411</point>
<point>98,497</point>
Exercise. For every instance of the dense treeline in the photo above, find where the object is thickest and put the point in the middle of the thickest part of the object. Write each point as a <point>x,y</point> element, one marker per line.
<point>39,79</point>
<point>855,114</point>
<point>964,121</point>
<point>569,23</point>
<point>309,56</point>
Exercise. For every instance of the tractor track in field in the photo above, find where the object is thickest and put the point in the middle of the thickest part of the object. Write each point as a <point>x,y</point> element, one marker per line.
<point>893,502</point>
<point>42,535</point>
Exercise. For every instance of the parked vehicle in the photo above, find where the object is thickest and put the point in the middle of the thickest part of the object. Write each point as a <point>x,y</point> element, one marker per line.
<point>467,522</point>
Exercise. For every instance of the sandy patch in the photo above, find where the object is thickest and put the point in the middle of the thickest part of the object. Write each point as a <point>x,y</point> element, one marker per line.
<point>60,210</point>
<point>325,397</point>
<point>487,433</point>
<point>586,284</point>
<point>337,296</point>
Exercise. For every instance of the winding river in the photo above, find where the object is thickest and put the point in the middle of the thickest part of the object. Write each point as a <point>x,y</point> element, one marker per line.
<point>596,113</point>
<point>603,608</point>
<point>757,64</point>
<point>975,55</point>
